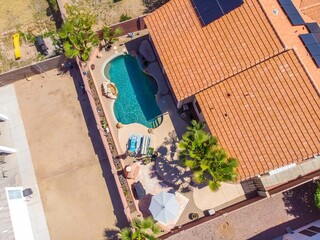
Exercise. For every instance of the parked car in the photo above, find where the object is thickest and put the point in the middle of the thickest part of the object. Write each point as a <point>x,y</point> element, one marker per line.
<point>41,46</point>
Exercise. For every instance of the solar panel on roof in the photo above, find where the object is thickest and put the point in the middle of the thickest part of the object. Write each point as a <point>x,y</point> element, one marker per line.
<point>296,20</point>
<point>290,9</point>
<point>313,27</point>
<point>308,38</point>
<point>317,60</point>
<point>210,10</point>
<point>284,2</point>
<point>292,13</point>
<point>317,36</point>
<point>314,49</point>
<point>313,46</point>
<point>229,5</point>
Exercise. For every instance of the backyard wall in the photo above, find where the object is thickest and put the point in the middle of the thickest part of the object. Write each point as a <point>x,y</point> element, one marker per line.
<point>102,133</point>
<point>132,25</point>
<point>31,70</point>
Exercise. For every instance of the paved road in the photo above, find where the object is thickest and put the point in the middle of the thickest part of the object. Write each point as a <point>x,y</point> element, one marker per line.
<point>262,220</point>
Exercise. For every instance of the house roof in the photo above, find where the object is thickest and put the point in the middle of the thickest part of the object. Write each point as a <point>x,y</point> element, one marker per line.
<point>196,57</point>
<point>308,3</point>
<point>311,8</point>
<point>267,116</point>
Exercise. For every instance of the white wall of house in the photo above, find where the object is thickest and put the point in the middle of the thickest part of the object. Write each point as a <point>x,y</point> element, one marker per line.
<point>308,232</point>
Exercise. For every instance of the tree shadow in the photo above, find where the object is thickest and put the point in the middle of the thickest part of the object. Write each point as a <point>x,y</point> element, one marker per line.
<point>170,169</point>
<point>110,233</point>
<point>54,12</point>
<point>163,150</point>
<point>300,201</point>
<point>144,204</point>
<point>171,141</point>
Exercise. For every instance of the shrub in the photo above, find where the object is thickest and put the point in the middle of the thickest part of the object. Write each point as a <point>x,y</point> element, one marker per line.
<point>124,17</point>
<point>317,197</point>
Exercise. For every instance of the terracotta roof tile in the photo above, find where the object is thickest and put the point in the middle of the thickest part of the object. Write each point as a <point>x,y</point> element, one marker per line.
<point>196,57</point>
<point>311,8</point>
<point>272,117</point>
<point>308,3</point>
<point>313,12</point>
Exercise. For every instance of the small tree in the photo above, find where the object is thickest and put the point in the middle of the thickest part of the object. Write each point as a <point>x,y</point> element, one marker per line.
<point>77,34</point>
<point>124,17</point>
<point>317,196</point>
<point>210,163</point>
<point>110,35</point>
<point>140,230</point>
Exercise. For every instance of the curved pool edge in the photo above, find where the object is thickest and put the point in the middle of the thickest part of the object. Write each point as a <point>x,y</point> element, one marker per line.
<point>116,120</point>
<point>109,59</point>
<point>149,74</point>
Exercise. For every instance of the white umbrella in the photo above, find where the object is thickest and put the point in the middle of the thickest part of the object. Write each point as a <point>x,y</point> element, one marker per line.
<point>164,207</point>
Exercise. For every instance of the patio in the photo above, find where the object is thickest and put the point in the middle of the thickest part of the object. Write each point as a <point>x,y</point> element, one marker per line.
<point>165,173</point>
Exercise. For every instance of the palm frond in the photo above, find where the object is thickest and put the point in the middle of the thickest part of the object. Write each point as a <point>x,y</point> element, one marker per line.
<point>198,177</point>
<point>126,234</point>
<point>214,185</point>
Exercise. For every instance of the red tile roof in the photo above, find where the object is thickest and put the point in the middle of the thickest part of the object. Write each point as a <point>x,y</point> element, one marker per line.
<point>270,119</point>
<point>196,57</point>
<point>308,3</point>
<point>311,8</point>
<point>272,116</point>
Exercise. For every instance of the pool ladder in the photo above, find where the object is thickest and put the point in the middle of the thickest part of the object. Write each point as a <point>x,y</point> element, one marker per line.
<point>157,121</point>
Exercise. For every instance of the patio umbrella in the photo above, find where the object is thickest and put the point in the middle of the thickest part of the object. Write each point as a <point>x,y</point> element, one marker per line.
<point>164,207</point>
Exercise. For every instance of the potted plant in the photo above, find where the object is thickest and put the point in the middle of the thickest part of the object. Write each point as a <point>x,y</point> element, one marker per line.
<point>110,35</point>
<point>194,216</point>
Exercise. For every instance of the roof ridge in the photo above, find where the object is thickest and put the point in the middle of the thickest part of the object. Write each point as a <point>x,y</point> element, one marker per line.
<point>310,6</point>
<point>249,67</point>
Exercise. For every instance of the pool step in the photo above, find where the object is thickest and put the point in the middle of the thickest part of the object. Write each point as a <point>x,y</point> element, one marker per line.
<point>157,121</point>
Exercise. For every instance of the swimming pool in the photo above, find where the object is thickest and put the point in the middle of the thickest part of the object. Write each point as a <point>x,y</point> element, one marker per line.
<point>136,101</point>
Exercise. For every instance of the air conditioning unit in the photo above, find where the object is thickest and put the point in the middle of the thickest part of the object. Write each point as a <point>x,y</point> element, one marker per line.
<point>185,107</point>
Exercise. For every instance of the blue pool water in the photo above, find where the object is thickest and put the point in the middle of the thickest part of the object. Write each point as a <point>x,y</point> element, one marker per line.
<point>136,92</point>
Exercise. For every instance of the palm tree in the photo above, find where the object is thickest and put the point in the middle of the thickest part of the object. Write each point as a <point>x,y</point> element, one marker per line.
<point>140,230</point>
<point>111,35</point>
<point>210,163</point>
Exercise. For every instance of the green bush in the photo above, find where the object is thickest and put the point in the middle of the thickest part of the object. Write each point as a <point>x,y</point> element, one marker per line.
<point>317,197</point>
<point>124,17</point>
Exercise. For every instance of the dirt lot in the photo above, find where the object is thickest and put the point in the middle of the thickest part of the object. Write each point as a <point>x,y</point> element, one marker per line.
<point>29,16</point>
<point>109,13</point>
<point>73,183</point>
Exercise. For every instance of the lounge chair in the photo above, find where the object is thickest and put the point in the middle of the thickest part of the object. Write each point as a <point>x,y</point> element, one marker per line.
<point>145,145</point>
<point>133,141</point>
<point>138,144</point>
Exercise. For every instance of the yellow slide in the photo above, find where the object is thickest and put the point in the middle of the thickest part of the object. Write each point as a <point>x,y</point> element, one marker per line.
<point>16,44</point>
